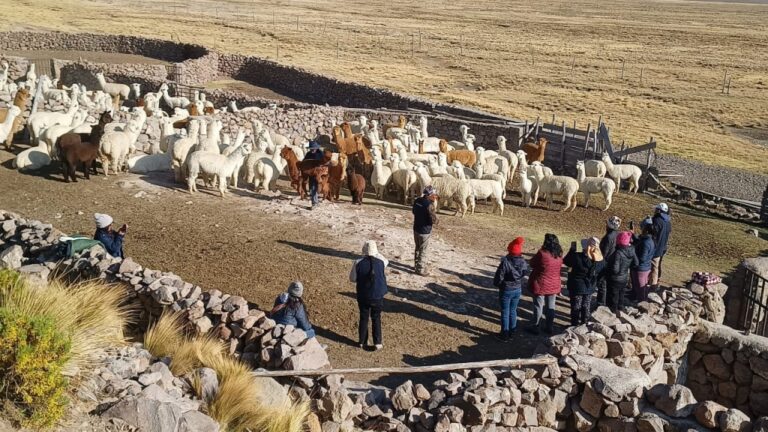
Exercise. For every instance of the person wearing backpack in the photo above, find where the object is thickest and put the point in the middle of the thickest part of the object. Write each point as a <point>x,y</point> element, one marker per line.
<point>585,266</point>
<point>509,280</point>
<point>371,285</point>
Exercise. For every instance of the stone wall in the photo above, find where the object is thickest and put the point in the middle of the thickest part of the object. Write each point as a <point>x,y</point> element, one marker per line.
<point>729,368</point>
<point>149,76</point>
<point>734,298</point>
<point>17,66</point>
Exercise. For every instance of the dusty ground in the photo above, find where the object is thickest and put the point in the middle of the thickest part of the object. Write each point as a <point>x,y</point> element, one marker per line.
<point>254,245</point>
<point>523,59</point>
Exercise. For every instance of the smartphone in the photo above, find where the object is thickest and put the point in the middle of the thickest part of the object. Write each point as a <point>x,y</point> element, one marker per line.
<point>631,225</point>
<point>573,245</point>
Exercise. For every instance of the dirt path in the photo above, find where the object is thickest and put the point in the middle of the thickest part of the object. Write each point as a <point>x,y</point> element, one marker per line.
<point>254,245</point>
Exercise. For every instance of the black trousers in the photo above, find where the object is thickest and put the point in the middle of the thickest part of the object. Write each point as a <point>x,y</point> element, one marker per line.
<point>616,291</point>
<point>370,309</point>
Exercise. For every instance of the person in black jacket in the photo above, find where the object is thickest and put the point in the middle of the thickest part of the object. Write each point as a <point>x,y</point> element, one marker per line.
<point>662,229</point>
<point>371,285</point>
<point>509,280</point>
<point>607,247</point>
<point>585,268</point>
<point>424,217</point>
<point>621,262</point>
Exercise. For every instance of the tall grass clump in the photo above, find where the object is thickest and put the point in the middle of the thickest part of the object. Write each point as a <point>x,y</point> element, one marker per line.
<point>48,334</point>
<point>238,406</point>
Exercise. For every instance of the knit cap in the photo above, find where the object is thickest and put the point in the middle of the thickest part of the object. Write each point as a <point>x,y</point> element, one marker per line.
<point>624,239</point>
<point>102,220</point>
<point>614,222</point>
<point>515,247</point>
<point>296,289</point>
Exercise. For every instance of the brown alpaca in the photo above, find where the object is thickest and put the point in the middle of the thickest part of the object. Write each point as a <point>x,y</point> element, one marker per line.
<point>347,129</point>
<point>343,144</point>
<point>356,185</point>
<point>301,171</point>
<point>22,96</point>
<point>401,122</point>
<point>182,124</point>
<point>74,149</point>
<point>336,175</point>
<point>468,158</point>
<point>535,152</point>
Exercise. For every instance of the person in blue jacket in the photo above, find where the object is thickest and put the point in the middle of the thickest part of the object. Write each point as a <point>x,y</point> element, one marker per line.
<point>509,280</point>
<point>371,286</point>
<point>314,153</point>
<point>289,309</point>
<point>662,230</point>
<point>111,239</point>
<point>644,249</point>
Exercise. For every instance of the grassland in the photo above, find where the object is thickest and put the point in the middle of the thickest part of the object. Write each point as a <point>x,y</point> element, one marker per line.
<point>519,58</point>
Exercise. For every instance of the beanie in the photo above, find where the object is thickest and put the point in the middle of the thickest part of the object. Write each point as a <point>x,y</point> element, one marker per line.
<point>624,238</point>
<point>296,289</point>
<point>614,223</point>
<point>515,247</point>
<point>370,248</point>
<point>102,220</point>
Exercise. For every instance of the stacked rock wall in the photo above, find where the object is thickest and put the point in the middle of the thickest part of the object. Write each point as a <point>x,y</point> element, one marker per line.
<point>148,75</point>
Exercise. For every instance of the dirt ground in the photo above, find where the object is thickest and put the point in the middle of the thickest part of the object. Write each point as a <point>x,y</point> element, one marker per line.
<point>576,59</point>
<point>253,245</point>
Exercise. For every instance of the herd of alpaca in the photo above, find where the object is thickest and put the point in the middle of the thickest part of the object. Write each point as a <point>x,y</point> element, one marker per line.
<point>397,158</point>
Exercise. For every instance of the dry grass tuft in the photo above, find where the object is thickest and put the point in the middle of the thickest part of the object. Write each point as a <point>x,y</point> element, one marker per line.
<point>238,406</point>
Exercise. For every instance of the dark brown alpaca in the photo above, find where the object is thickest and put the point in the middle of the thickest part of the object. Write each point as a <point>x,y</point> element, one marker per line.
<point>355,183</point>
<point>301,171</point>
<point>336,175</point>
<point>74,149</point>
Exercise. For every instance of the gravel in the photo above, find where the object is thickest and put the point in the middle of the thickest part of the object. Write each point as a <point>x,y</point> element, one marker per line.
<point>726,182</point>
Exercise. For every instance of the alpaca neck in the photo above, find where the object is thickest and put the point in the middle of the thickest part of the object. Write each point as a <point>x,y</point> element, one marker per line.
<point>580,174</point>
<point>502,145</point>
<point>424,132</point>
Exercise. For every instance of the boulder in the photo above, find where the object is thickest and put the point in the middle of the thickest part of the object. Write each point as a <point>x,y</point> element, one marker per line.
<point>649,422</point>
<point>761,425</point>
<point>313,356</point>
<point>604,316</point>
<point>706,413</point>
<point>591,402</point>
<point>582,421</point>
<point>674,401</point>
<point>403,398</point>
<point>336,406</point>
<point>733,420</point>
<point>146,415</point>
<point>209,383</point>
<point>715,365</point>
<point>195,421</point>
<point>611,381</point>
<point>11,257</point>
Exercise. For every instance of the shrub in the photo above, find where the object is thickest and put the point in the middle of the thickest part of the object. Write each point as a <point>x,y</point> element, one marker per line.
<point>32,356</point>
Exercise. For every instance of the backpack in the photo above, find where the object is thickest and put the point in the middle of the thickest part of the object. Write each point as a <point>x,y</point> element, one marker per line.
<point>70,245</point>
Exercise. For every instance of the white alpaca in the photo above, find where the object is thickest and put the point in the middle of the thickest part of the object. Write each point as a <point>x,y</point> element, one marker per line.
<point>7,125</point>
<point>358,125</point>
<point>115,147</point>
<point>173,102</point>
<point>510,156</point>
<point>450,189</point>
<point>50,93</point>
<point>458,170</point>
<point>619,172</point>
<point>523,163</point>
<point>595,168</point>
<point>136,87</point>
<point>430,144</point>
<point>484,189</point>
<point>526,186</point>
<point>556,185</point>
<point>181,149</point>
<point>415,157</point>
<point>144,163</point>
<point>406,180</point>
<point>494,164</point>
<point>371,131</point>
<point>31,77</point>
<point>4,76</point>
<point>440,166</point>
<point>40,120</point>
<point>467,140</point>
<point>151,104</point>
<point>117,91</point>
<point>590,185</point>
<point>214,165</point>
<point>52,133</point>
<point>211,142</point>
<point>481,175</point>
<point>241,134</point>
<point>233,108</point>
<point>381,176</point>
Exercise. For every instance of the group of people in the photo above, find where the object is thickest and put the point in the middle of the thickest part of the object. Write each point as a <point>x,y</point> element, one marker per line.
<point>622,265</point>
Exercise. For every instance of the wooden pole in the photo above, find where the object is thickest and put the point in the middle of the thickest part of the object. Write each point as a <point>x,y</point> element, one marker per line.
<point>725,76</point>
<point>586,140</point>
<point>297,23</point>
<point>277,48</point>
<point>419,39</point>
<point>553,120</point>
<point>641,75</point>
<point>623,63</point>
<point>412,44</point>
<point>543,361</point>
<point>461,45</point>
<point>562,151</point>
<point>728,88</point>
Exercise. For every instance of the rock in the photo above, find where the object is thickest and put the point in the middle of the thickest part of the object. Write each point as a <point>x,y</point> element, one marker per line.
<point>591,402</point>
<point>403,398</point>
<point>195,421</point>
<point>128,266</point>
<point>582,421</point>
<point>715,365</point>
<point>630,408</point>
<point>209,383</point>
<point>675,400</point>
<point>759,366</point>
<point>295,338</point>
<point>613,382</point>
<point>604,316</point>
<point>336,405</point>
<point>474,413</point>
<point>527,416</point>
<point>421,392</point>
<point>761,425</point>
<point>11,257</point>
<point>203,325</point>
<point>649,422</point>
<point>146,415</point>
<point>620,349</point>
<point>150,378</point>
<point>733,420</point>
<point>706,413</point>
<point>313,356</point>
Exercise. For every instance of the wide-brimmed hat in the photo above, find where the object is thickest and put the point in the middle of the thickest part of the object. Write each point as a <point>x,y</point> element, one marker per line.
<point>314,145</point>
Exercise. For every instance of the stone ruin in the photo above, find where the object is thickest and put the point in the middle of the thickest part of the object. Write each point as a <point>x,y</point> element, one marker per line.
<point>659,366</point>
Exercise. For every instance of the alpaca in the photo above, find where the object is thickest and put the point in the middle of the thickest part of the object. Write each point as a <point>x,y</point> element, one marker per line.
<point>50,93</point>
<point>4,76</point>
<point>371,131</point>
<point>358,125</point>
<point>381,176</point>
<point>406,180</point>
<point>457,191</point>
<point>337,173</point>
<point>355,184</point>
<point>214,165</point>
<point>173,102</point>
<point>484,189</point>
<point>7,125</point>
<point>181,149</point>
<point>30,77</point>
<point>115,90</point>
<point>73,148</point>
<point>40,120</point>
<point>619,172</point>
<point>523,163</point>
<point>136,87</point>
<point>467,158</point>
<point>401,122</point>
<point>590,185</point>
<point>233,108</point>
<point>526,186</point>
<point>461,172</point>
<point>49,136</point>
<point>300,171</point>
<point>535,152</point>
<point>556,185</point>
<point>493,163</point>
<point>428,144</point>
<point>510,156</point>
<point>595,168</point>
<point>115,147</point>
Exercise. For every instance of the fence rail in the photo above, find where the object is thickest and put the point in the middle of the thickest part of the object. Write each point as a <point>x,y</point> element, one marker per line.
<point>754,308</point>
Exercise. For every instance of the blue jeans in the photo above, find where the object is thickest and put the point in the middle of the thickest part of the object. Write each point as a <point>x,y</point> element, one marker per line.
<point>313,190</point>
<point>509,300</point>
<point>310,333</point>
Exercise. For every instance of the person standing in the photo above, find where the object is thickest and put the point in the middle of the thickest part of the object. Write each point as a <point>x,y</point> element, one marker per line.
<point>424,218</point>
<point>509,280</point>
<point>619,265</point>
<point>314,153</point>
<point>662,229</point>
<point>585,267</point>
<point>111,239</point>
<point>371,286</point>
<point>644,249</point>
<point>545,282</point>
<point>289,309</point>
<point>607,247</point>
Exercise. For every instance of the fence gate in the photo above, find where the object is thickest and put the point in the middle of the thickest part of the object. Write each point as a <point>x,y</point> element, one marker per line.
<point>754,306</point>
<point>43,67</point>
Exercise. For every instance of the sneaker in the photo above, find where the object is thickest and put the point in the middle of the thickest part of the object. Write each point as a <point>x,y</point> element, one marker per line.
<point>362,346</point>
<point>502,336</point>
<point>379,347</point>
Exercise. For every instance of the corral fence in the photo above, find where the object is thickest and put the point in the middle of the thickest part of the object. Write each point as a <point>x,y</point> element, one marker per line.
<point>753,316</point>
<point>764,207</point>
<point>176,88</point>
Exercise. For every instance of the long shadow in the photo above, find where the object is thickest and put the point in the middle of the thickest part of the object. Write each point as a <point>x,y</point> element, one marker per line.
<point>321,250</point>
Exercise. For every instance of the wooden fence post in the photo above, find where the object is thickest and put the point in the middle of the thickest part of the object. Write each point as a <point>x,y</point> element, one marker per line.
<point>623,63</point>
<point>562,151</point>
<point>586,139</point>
<point>725,76</point>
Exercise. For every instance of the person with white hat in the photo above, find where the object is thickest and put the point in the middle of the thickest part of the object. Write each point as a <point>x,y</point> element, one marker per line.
<point>111,239</point>
<point>371,285</point>
<point>662,229</point>
<point>289,309</point>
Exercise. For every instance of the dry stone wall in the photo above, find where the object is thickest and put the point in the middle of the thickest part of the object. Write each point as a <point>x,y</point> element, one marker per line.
<point>149,76</point>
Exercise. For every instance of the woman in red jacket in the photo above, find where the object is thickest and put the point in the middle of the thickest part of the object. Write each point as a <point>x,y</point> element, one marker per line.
<point>545,282</point>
